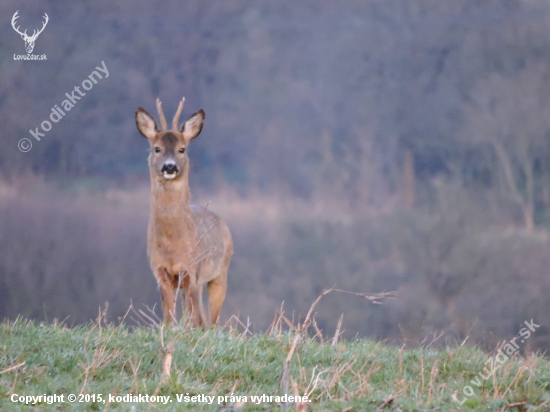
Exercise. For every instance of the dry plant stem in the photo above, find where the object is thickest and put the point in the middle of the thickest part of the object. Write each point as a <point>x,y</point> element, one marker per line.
<point>387,402</point>
<point>135,370</point>
<point>269,331</point>
<point>236,385</point>
<point>167,361</point>
<point>284,375</point>
<point>374,298</point>
<point>99,358</point>
<point>339,372</point>
<point>422,369</point>
<point>289,323</point>
<point>276,327</point>
<point>11,368</point>
<point>435,338</point>
<point>314,381</point>
<point>433,375</point>
<point>300,406</point>
<point>205,233</point>
<point>12,389</point>
<point>515,381</point>
<point>229,324</point>
<point>148,320</point>
<point>399,377</point>
<point>197,343</point>
<point>513,405</point>
<point>279,325</point>
<point>318,332</point>
<point>246,331</point>
<point>197,259</point>
<point>167,350</point>
<point>337,333</point>
<point>236,319</point>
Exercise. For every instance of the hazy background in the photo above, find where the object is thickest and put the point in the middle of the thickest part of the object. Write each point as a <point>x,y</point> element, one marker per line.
<point>377,145</point>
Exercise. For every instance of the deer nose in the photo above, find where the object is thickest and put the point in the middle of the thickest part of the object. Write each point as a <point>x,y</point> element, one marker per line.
<point>169,168</point>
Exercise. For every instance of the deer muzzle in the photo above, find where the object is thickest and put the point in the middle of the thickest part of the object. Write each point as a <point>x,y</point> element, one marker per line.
<point>169,170</point>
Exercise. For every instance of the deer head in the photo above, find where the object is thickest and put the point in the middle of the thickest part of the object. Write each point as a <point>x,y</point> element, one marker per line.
<point>168,157</point>
<point>29,40</point>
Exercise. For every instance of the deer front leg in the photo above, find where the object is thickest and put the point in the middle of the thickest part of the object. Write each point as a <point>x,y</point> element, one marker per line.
<point>167,294</point>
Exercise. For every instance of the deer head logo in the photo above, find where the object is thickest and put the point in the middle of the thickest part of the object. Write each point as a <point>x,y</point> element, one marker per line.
<point>29,40</point>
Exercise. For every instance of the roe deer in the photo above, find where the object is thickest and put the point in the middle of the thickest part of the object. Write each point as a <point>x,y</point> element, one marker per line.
<point>187,245</point>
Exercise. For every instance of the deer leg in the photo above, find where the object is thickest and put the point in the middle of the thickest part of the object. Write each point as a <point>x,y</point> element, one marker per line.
<point>195,299</point>
<point>185,285</point>
<point>216,295</point>
<point>201,307</point>
<point>167,294</point>
<point>192,301</point>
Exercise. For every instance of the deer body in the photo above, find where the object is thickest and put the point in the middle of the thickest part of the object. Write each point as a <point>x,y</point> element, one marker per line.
<point>188,246</point>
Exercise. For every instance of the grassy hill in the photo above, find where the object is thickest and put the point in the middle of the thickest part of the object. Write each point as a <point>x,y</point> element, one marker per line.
<point>123,363</point>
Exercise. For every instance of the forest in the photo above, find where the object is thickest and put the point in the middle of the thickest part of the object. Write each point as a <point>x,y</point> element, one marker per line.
<point>381,145</point>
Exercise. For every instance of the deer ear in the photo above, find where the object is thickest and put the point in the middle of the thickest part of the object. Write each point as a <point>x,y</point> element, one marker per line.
<point>193,126</point>
<point>146,124</point>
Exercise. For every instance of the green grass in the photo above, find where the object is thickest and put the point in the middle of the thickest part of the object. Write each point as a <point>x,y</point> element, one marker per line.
<point>361,375</point>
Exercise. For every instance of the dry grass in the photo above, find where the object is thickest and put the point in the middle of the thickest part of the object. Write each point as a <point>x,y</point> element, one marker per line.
<point>232,360</point>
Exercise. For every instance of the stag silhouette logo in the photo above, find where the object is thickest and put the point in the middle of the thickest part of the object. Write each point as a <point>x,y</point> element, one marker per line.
<point>29,40</point>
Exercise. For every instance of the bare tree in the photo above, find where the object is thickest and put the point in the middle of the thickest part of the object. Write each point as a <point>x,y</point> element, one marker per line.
<point>512,115</point>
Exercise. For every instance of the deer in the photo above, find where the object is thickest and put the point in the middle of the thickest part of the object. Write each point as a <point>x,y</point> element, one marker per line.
<point>188,246</point>
<point>29,40</point>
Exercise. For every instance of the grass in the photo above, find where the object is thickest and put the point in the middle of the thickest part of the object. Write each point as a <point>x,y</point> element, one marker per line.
<point>358,375</point>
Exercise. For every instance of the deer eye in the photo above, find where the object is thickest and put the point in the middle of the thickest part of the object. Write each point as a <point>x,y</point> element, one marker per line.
<point>157,149</point>
<point>182,150</point>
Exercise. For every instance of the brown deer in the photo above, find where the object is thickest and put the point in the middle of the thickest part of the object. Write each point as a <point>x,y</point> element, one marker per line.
<point>188,246</point>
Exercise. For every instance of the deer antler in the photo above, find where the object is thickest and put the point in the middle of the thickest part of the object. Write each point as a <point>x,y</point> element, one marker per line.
<point>162,119</point>
<point>177,116</point>
<point>13,19</point>
<point>35,33</point>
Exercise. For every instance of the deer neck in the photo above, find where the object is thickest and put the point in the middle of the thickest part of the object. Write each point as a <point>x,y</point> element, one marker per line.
<point>172,228</point>
<point>170,200</point>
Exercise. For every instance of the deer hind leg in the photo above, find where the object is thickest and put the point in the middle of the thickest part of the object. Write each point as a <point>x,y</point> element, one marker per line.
<point>193,302</point>
<point>167,294</point>
<point>217,287</point>
<point>216,295</point>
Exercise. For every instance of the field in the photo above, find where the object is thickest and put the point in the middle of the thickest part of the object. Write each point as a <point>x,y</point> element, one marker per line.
<point>115,367</point>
